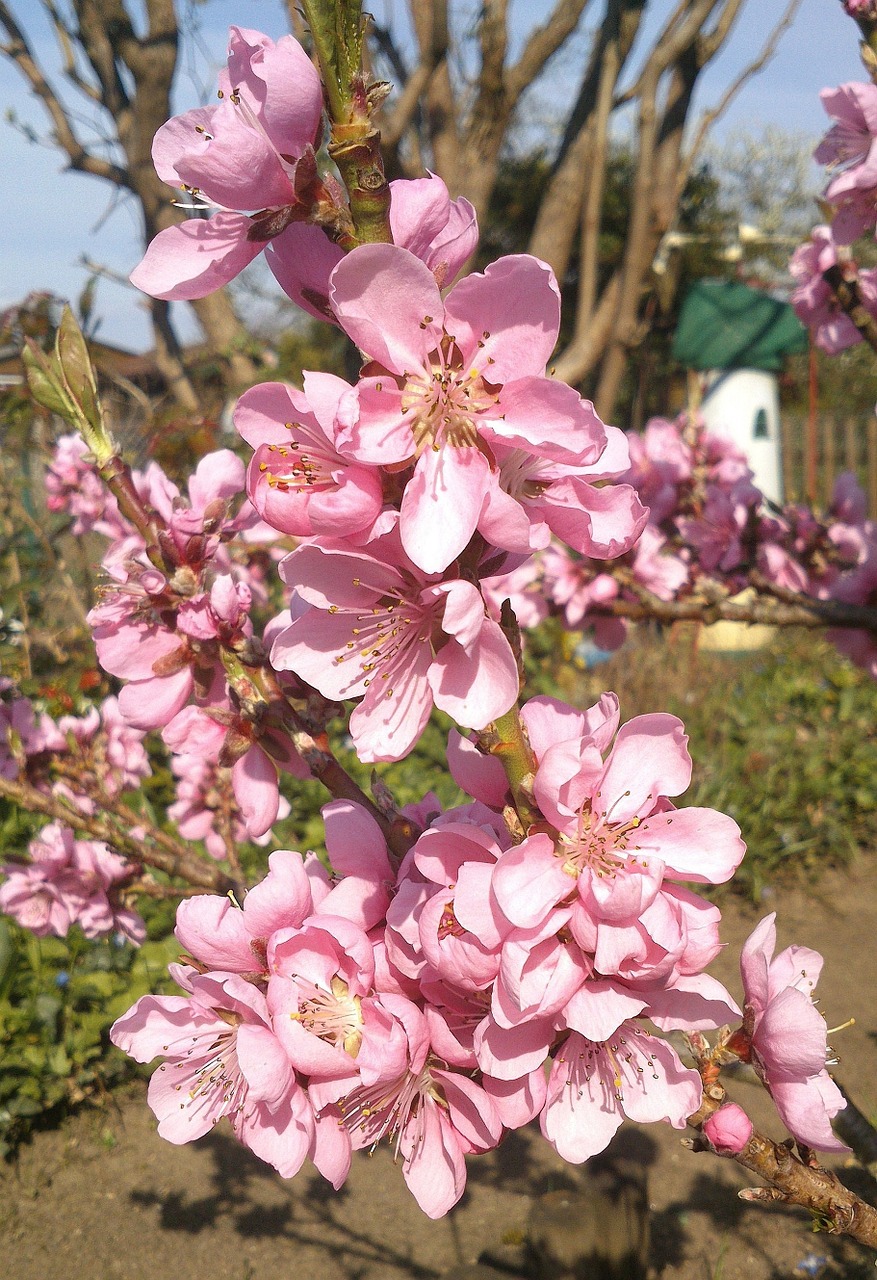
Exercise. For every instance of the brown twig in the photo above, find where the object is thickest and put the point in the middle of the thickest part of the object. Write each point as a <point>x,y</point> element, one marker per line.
<point>714,606</point>
<point>151,849</point>
<point>794,1180</point>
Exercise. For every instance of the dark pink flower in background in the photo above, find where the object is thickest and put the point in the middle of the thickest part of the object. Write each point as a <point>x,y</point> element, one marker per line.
<point>69,881</point>
<point>850,146</point>
<point>814,300</point>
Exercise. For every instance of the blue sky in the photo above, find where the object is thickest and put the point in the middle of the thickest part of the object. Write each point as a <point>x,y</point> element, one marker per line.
<point>53,217</point>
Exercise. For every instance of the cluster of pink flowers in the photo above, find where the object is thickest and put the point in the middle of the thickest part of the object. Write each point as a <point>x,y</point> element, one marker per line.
<point>707,523</point>
<point>849,150</point>
<point>69,881</point>
<point>73,485</point>
<point>517,960</point>
<point>255,151</point>
<point>424,1004</point>
<point>162,625</point>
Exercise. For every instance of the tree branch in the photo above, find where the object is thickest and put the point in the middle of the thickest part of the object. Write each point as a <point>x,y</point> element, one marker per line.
<point>151,849</point>
<point>542,43</point>
<point>711,115</point>
<point>795,1180</point>
<point>794,610</point>
<point>81,159</point>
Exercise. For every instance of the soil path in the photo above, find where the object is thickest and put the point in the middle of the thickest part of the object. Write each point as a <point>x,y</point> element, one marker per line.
<point>106,1199</point>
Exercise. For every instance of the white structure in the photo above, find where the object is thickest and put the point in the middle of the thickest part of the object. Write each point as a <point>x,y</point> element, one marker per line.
<point>743,405</point>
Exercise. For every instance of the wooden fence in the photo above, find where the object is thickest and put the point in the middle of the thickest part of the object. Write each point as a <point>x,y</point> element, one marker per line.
<point>816,452</point>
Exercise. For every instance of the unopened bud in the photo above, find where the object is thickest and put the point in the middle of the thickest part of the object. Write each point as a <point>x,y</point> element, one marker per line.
<point>728,1129</point>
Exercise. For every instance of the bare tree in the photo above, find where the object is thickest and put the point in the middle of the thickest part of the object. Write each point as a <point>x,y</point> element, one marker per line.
<point>123,77</point>
<point>461,95</point>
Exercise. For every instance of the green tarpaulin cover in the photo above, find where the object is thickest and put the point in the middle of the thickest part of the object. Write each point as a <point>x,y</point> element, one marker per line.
<point>724,325</point>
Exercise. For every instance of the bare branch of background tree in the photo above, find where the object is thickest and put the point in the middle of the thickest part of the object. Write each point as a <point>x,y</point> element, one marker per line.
<point>710,116</point>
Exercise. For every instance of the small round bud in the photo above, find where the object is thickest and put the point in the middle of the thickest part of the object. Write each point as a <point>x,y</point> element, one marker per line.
<point>728,1129</point>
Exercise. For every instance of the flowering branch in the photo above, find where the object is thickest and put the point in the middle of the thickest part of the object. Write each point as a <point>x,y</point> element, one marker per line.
<point>849,297</point>
<point>794,1178</point>
<point>713,605</point>
<point>154,848</point>
<point>506,739</point>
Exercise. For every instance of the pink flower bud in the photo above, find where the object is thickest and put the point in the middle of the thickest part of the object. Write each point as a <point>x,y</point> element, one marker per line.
<point>728,1129</point>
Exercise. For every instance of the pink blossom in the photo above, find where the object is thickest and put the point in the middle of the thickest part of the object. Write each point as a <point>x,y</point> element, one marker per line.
<point>34,895</point>
<point>67,882</point>
<point>814,300</point>
<point>298,480</point>
<point>784,1036</point>
<point>619,835</point>
<point>202,791</point>
<point>451,919</point>
<point>563,499</point>
<point>225,937</point>
<point>594,1085</point>
<point>716,533</point>
<point>656,567</point>
<point>399,638</point>
<point>221,1059</point>
<point>849,146</point>
<point>575,586</point>
<point>660,463</point>
<point>225,737</point>
<point>433,1116</point>
<point>440,231</point>
<point>24,732</point>
<point>148,628</point>
<point>253,151</point>
<point>457,376</point>
<point>728,1129</point>
<point>72,484</point>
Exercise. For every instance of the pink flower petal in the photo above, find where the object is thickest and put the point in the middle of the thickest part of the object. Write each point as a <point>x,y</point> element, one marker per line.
<point>442,504</point>
<point>478,686</point>
<point>388,302</point>
<point>254,782</point>
<point>649,760</point>
<point>195,258</point>
<point>506,319</point>
<point>701,845</point>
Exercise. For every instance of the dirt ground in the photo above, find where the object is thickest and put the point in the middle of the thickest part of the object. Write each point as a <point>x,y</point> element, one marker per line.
<point>106,1199</point>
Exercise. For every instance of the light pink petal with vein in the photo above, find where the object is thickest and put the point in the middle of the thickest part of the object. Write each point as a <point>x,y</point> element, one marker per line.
<point>649,759</point>
<point>442,504</point>
<point>701,845</point>
<point>382,296</point>
<point>477,686</point>
<point>195,258</point>
<point>516,304</point>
